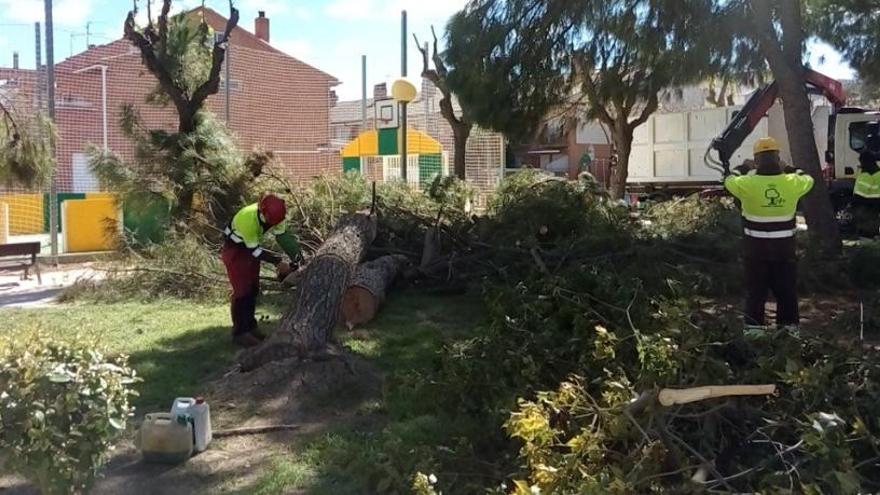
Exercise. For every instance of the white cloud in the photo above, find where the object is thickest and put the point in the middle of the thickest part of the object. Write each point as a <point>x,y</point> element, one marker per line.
<point>66,13</point>
<point>379,10</point>
<point>275,8</point>
<point>300,49</point>
<point>156,8</point>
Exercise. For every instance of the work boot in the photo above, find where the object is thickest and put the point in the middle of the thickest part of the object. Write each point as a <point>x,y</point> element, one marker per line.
<point>245,340</point>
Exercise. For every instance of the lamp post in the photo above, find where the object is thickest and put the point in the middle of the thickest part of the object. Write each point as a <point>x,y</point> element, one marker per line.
<point>403,93</point>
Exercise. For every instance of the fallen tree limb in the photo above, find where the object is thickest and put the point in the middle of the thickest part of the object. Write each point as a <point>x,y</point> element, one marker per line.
<point>365,295</point>
<point>252,430</point>
<point>308,325</point>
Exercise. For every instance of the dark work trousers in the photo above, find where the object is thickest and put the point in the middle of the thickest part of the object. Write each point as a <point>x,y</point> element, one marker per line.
<point>867,216</point>
<point>771,266</point>
<point>244,276</point>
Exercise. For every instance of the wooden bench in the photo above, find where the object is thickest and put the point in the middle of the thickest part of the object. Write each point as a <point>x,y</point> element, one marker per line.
<point>24,255</point>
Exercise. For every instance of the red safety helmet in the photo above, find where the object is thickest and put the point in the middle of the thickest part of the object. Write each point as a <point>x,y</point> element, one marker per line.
<point>272,209</point>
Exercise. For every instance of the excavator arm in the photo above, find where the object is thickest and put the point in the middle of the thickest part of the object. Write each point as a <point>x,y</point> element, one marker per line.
<point>745,121</point>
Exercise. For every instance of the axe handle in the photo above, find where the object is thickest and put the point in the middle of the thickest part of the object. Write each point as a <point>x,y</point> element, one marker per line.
<point>669,396</point>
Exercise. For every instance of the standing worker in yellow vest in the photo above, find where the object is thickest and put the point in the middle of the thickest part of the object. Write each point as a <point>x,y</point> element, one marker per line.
<point>769,199</point>
<point>866,196</point>
<point>242,254</point>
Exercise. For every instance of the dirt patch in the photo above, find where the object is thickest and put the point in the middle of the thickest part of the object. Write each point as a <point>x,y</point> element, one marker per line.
<point>317,396</point>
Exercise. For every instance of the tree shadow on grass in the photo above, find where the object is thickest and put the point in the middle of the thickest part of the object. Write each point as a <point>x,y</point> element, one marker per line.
<point>179,366</point>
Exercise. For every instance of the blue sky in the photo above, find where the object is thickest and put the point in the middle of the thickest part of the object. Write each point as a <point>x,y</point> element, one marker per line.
<point>329,34</point>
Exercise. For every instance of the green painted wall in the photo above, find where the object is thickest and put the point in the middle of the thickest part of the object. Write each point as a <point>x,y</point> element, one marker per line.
<point>351,164</point>
<point>146,217</point>
<point>62,197</point>
<point>430,166</point>
<point>388,142</point>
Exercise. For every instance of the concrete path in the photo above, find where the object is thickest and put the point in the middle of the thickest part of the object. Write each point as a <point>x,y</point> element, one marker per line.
<point>18,293</point>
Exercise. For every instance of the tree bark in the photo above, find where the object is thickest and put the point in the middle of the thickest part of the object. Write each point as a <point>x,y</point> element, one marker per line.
<point>368,288</point>
<point>461,126</point>
<point>461,131</point>
<point>153,47</point>
<point>308,325</point>
<point>785,58</point>
<point>622,135</point>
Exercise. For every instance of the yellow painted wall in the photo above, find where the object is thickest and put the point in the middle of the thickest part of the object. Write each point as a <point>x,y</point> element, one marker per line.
<point>25,213</point>
<point>419,143</point>
<point>100,195</point>
<point>367,144</point>
<point>4,223</point>
<point>85,224</point>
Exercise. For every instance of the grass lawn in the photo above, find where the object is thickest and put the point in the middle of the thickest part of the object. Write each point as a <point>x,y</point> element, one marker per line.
<point>177,346</point>
<point>403,341</point>
<point>174,345</point>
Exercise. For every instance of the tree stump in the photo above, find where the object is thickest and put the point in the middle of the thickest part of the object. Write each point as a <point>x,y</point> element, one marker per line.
<point>306,328</point>
<point>368,287</point>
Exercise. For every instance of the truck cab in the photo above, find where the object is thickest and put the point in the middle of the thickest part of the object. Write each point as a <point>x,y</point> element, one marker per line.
<point>849,133</point>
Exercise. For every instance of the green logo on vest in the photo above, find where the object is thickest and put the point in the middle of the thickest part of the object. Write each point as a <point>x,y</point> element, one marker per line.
<point>774,199</point>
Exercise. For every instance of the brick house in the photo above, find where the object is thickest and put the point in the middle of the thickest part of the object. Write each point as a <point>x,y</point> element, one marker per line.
<point>485,149</point>
<point>276,102</point>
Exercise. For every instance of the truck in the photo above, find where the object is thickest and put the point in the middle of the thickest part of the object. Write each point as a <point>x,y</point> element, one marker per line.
<point>685,152</point>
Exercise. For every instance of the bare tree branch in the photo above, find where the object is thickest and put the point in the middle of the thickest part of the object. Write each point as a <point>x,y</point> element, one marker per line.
<point>590,89</point>
<point>762,20</point>
<point>212,85</point>
<point>163,25</point>
<point>649,108</point>
<point>153,46</point>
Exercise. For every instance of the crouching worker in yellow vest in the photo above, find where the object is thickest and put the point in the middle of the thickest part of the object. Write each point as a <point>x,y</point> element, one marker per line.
<point>769,199</point>
<point>866,196</point>
<point>242,254</point>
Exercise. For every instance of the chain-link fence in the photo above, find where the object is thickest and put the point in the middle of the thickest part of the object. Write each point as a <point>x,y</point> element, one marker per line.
<point>268,99</point>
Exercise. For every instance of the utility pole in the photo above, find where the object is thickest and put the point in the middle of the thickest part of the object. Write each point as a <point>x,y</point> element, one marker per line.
<point>227,62</point>
<point>427,104</point>
<point>50,90</point>
<point>363,93</point>
<point>403,126</point>
<point>38,57</point>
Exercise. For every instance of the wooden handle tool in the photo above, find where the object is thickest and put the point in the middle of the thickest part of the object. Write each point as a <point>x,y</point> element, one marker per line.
<point>669,396</point>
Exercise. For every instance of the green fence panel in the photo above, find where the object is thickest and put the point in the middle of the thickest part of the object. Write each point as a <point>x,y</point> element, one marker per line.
<point>430,166</point>
<point>146,217</point>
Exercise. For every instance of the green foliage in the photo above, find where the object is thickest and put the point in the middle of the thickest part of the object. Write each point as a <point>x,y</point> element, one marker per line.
<point>516,60</point>
<point>199,167</point>
<point>186,55</point>
<point>851,27</point>
<point>183,267</point>
<point>424,484</point>
<point>532,209</point>
<point>201,172</point>
<point>26,145</point>
<point>582,437</point>
<point>62,404</point>
<point>864,266</point>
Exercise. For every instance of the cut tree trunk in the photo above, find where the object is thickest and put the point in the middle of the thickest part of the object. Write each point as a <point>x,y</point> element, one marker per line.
<point>307,327</point>
<point>368,287</point>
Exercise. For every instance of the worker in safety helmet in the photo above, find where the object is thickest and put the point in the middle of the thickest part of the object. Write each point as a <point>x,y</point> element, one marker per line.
<point>769,198</point>
<point>242,254</point>
<point>866,196</point>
